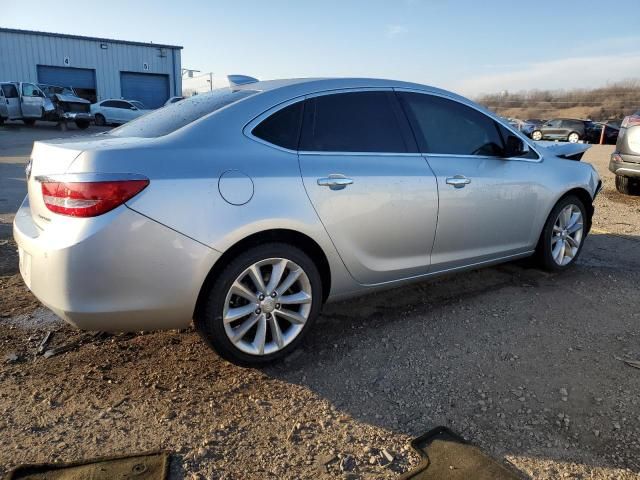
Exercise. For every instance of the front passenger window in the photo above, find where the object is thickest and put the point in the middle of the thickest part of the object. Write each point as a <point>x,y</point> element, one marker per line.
<point>449,127</point>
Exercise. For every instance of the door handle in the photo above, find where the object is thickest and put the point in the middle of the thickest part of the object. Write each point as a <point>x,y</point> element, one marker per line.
<point>458,181</point>
<point>335,181</point>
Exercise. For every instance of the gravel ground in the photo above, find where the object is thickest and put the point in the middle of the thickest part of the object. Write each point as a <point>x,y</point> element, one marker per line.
<point>528,365</point>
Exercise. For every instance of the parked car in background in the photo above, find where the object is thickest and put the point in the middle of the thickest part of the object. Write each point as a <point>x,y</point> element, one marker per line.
<point>566,129</point>
<point>68,106</point>
<point>30,102</point>
<point>247,208</point>
<point>625,161</point>
<point>117,111</point>
<point>594,133</point>
<point>173,100</point>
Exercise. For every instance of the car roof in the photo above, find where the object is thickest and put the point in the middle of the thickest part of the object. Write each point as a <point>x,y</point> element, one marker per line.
<point>321,84</point>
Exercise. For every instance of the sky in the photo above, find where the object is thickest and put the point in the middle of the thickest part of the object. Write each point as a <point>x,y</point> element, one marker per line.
<point>468,46</point>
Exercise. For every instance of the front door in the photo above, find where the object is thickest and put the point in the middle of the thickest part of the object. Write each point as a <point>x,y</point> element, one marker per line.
<point>487,202</point>
<point>374,193</point>
<point>31,101</point>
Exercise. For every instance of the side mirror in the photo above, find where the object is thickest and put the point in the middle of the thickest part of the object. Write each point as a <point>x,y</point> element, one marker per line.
<point>514,147</point>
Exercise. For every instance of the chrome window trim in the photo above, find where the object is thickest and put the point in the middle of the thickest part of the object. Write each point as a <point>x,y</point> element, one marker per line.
<point>492,117</point>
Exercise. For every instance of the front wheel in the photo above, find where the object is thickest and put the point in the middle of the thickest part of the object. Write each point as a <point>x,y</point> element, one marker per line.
<point>573,137</point>
<point>100,120</point>
<point>29,122</point>
<point>563,235</point>
<point>536,135</point>
<point>262,304</point>
<point>82,124</point>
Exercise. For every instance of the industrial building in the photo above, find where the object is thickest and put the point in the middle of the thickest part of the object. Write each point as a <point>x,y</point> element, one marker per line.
<point>98,68</point>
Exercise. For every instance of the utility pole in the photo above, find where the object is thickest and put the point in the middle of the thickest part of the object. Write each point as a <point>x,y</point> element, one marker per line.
<point>210,81</point>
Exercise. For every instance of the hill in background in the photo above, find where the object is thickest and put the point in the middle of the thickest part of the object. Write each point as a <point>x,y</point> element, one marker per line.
<point>612,102</point>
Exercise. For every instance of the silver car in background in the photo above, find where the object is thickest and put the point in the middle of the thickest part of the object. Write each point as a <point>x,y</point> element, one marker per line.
<point>247,208</point>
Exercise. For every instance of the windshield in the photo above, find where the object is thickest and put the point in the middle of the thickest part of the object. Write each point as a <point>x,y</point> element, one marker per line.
<point>138,105</point>
<point>176,115</point>
<point>50,90</point>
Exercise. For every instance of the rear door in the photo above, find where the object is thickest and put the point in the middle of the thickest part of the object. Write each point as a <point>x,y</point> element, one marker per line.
<point>552,129</point>
<point>32,100</point>
<point>12,100</point>
<point>487,202</point>
<point>375,195</point>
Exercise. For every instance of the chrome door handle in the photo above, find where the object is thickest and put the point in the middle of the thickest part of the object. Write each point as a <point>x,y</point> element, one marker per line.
<point>335,181</point>
<point>459,181</point>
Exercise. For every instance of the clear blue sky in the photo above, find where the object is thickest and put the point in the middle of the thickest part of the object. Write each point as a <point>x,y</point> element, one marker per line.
<point>470,46</point>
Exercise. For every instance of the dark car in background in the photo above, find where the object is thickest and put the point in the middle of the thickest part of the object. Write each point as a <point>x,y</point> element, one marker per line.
<point>625,160</point>
<point>565,129</point>
<point>594,133</point>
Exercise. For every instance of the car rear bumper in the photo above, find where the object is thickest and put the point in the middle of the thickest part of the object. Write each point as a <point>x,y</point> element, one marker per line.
<point>117,272</point>
<point>625,165</point>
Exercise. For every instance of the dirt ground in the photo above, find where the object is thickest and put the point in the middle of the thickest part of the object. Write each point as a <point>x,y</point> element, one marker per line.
<point>529,366</point>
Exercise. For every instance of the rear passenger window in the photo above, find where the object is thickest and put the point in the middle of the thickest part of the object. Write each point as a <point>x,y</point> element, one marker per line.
<point>10,91</point>
<point>352,122</point>
<point>449,127</point>
<point>282,128</point>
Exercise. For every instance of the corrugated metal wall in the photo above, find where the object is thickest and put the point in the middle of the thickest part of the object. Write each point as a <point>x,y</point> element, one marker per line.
<point>21,53</point>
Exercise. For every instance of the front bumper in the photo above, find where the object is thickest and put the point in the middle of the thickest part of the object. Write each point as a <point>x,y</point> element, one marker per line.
<point>77,116</point>
<point>620,165</point>
<point>120,271</point>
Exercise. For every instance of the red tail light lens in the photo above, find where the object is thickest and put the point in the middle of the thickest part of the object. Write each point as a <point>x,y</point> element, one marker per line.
<point>89,199</point>
<point>631,121</point>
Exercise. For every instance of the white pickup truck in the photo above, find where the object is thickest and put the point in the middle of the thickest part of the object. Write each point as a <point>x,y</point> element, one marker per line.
<point>30,102</point>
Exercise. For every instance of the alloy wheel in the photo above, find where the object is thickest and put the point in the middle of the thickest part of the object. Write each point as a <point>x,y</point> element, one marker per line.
<point>537,135</point>
<point>267,306</point>
<point>574,137</point>
<point>567,235</point>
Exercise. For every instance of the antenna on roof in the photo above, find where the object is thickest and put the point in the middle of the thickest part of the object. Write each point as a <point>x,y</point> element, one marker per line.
<point>235,80</point>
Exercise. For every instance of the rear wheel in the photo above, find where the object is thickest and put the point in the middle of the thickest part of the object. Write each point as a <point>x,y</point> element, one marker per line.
<point>29,122</point>
<point>563,235</point>
<point>1,120</point>
<point>100,120</point>
<point>627,185</point>
<point>573,137</point>
<point>82,124</point>
<point>536,135</point>
<point>262,304</point>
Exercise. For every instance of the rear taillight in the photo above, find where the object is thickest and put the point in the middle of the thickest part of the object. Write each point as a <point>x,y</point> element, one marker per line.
<point>89,199</point>
<point>630,121</point>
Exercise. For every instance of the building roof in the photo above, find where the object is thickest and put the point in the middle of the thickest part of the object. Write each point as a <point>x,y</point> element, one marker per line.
<point>93,39</point>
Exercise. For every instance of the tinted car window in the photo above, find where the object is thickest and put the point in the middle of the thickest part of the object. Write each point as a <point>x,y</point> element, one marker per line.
<point>553,123</point>
<point>352,122</point>
<point>449,127</point>
<point>282,128</point>
<point>172,117</point>
<point>10,91</point>
<point>29,90</point>
<point>108,103</point>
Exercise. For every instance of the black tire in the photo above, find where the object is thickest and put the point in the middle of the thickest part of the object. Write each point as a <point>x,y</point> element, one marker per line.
<point>82,124</point>
<point>628,185</point>
<point>1,120</point>
<point>29,122</point>
<point>533,135</point>
<point>100,120</point>
<point>209,322</point>
<point>543,250</point>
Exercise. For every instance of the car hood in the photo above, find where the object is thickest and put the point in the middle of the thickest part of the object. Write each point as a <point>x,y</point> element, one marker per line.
<point>70,98</point>
<point>570,151</point>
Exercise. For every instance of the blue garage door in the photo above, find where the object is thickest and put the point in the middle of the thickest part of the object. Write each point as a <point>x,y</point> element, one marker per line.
<point>84,78</point>
<point>149,88</point>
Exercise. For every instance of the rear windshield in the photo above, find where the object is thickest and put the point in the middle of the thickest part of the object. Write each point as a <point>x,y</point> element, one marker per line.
<point>176,115</point>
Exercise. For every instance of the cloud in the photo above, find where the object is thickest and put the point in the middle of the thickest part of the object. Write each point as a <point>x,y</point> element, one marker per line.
<point>392,31</point>
<point>575,72</point>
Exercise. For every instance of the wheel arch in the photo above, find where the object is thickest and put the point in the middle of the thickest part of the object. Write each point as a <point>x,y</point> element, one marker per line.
<point>584,196</point>
<point>291,237</point>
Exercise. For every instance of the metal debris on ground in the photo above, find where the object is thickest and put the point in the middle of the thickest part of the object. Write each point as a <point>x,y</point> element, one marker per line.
<point>44,342</point>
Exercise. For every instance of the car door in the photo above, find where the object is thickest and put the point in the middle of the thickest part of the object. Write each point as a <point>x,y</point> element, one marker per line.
<point>4,110</point>
<point>31,100</point>
<point>487,202</point>
<point>552,130</point>
<point>374,193</point>
<point>12,99</point>
<point>108,110</point>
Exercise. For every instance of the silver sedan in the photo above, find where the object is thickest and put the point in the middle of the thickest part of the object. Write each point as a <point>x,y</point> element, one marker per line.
<point>246,209</point>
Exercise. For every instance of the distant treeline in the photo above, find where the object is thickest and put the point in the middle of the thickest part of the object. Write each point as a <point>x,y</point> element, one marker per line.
<point>613,101</point>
